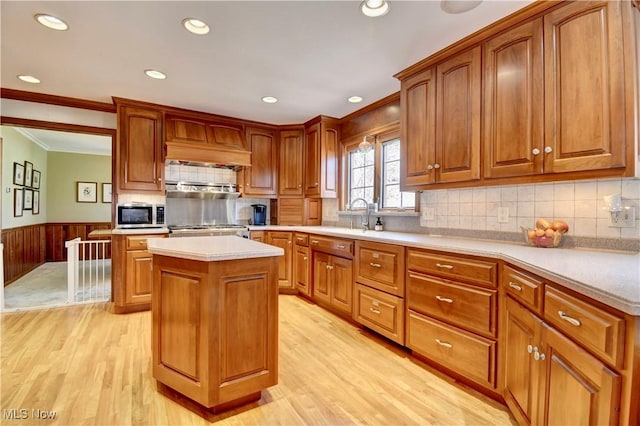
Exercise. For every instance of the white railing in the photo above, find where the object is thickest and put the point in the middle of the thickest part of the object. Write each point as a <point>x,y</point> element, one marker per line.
<point>88,271</point>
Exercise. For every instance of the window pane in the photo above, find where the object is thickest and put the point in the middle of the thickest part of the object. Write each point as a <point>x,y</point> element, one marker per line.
<point>357,159</point>
<point>370,157</point>
<point>392,150</point>
<point>392,196</point>
<point>357,178</point>
<point>392,172</point>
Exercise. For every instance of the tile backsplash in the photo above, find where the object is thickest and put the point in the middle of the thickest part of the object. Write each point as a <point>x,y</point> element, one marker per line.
<point>578,203</point>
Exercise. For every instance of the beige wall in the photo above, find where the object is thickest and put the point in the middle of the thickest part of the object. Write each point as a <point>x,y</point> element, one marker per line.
<point>65,170</point>
<point>17,148</point>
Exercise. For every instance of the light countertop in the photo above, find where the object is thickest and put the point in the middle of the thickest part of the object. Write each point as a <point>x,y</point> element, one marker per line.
<point>212,249</point>
<point>607,276</point>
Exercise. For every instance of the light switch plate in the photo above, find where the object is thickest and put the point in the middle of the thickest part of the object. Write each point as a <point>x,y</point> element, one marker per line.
<point>626,218</point>
<point>429,213</point>
<point>503,214</point>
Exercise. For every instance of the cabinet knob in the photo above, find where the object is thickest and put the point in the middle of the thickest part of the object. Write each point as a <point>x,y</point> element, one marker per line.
<point>548,150</point>
<point>299,186</point>
<point>315,184</point>
<point>429,166</point>
<point>436,166</point>
<point>538,356</point>
<point>535,151</point>
<point>289,242</point>
<point>305,258</point>
<point>529,348</point>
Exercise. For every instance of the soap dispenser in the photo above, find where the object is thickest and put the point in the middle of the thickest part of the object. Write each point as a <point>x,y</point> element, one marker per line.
<point>378,226</point>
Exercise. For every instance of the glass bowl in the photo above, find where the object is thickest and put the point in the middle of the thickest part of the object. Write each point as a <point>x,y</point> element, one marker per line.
<point>533,239</point>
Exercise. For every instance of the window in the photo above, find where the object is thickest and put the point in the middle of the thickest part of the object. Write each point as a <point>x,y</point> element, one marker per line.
<point>374,174</point>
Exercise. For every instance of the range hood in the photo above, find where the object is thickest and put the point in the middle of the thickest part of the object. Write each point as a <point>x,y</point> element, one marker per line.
<point>206,142</point>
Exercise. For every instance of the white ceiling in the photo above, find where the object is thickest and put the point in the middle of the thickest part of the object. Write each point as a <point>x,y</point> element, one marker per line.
<point>80,143</point>
<point>311,55</point>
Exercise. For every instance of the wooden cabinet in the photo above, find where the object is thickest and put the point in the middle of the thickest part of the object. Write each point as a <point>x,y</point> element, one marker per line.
<point>132,272</point>
<point>333,281</point>
<point>452,313</point>
<point>321,158</point>
<point>298,211</point>
<point>379,311</point>
<point>260,179</point>
<point>257,236</point>
<point>291,155</point>
<point>586,87</point>
<point>513,114</point>
<point>302,264</point>
<point>284,241</point>
<point>551,380</point>
<point>139,161</point>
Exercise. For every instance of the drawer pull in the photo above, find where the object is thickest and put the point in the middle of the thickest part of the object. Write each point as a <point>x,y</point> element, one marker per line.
<point>444,299</point>
<point>375,265</point>
<point>515,286</point>
<point>329,267</point>
<point>375,311</point>
<point>341,246</point>
<point>314,241</point>
<point>568,319</point>
<point>445,344</point>
<point>444,266</point>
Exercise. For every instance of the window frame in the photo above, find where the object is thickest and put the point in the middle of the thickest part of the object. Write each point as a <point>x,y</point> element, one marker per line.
<point>377,139</point>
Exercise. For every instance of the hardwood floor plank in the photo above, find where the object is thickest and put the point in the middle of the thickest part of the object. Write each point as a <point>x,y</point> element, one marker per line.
<point>93,367</point>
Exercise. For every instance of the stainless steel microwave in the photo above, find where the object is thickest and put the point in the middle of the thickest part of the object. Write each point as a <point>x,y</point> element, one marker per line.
<point>140,215</point>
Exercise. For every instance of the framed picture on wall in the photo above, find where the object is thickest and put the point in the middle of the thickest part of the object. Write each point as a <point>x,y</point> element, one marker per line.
<point>106,192</point>
<point>18,174</point>
<point>27,199</point>
<point>36,179</point>
<point>87,192</point>
<point>36,202</point>
<point>28,173</point>
<point>17,202</point>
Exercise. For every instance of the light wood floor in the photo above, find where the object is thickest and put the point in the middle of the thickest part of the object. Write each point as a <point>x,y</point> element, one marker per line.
<point>93,367</point>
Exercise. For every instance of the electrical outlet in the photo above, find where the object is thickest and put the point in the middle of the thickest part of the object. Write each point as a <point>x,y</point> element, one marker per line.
<point>503,214</point>
<point>429,213</point>
<point>624,219</point>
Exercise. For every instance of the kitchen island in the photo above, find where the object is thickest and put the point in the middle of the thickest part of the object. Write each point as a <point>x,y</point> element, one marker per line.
<point>215,320</point>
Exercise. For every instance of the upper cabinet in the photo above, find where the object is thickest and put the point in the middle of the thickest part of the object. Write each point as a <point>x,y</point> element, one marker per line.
<point>585,123</point>
<point>260,178</point>
<point>321,158</point>
<point>291,151</point>
<point>513,102</point>
<point>558,95</point>
<point>139,162</point>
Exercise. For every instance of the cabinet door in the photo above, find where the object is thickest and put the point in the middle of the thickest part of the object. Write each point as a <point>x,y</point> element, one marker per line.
<point>302,269</point>
<point>513,102</point>
<point>185,130</point>
<point>260,178</point>
<point>329,159</point>
<point>417,140</point>
<point>584,87</point>
<point>576,388</point>
<point>522,334</point>
<point>140,163</point>
<point>258,236</point>
<point>139,277</point>
<point>458,117</point>
<point>283,240</point>
<point>321,277</point>
<point>342,284</point>
<point>312,161</point>
<point>291,160</point>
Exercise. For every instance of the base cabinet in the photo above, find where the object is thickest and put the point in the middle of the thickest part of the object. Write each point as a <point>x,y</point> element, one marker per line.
<point>551,380</point>
<point>302,264</point>
<point>284,241</point>
<point>333,281</point>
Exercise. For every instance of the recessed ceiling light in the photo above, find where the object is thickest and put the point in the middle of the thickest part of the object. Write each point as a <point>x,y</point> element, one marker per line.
<point>51,21</point>
<point>374,8</point>
<point>458,6</point>
<point>155,74</point>
<point>269,99</point>
<point>29,79</point>
<point>355,99</point>
<point>195,26</point>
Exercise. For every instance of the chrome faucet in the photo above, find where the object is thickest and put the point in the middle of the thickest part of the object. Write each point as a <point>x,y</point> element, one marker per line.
<point>364,219</point>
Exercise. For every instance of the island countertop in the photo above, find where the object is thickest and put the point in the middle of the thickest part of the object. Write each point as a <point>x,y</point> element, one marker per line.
<point>211,249</point>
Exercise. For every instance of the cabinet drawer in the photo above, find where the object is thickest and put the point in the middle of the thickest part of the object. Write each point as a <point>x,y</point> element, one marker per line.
<point>598,330</point>
<point>381,266</point>
<point>464,353</point>
<point>525,288</point>
<point>471,308</point>
<point>380,312</point>
<point>301,239</point>
<point>139,242</point>
<point>473,271</point>
<point>331,245</point>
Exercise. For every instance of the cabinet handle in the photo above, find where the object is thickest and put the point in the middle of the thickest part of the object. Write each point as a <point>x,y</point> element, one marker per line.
<point>444,266</point>
<point>341,246</point>
<point>529,348</point>
<point>535,151</point>
<point>375,311</point>
<point>568,319</point>
<point>445,344</point>
<point>548,150</point>
<point>314,242</point>
<point>444,299</point>
<point>436,166</point>
<point>515,286</point>
<point>375,265</point>
<point>429,167</point>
